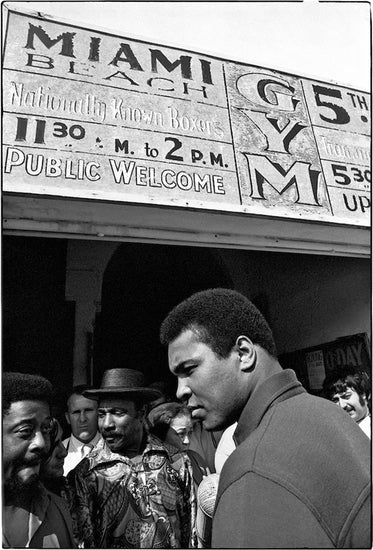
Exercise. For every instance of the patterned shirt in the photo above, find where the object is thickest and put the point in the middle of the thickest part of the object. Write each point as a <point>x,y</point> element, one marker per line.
<point>147,502</point>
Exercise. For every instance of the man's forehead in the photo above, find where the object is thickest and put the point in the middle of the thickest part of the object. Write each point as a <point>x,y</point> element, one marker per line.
<point>189,334</point>
<point>115,402</point>
<point>186,341</point>
<point>345,390</point>
<point>29,408</point>
<point>77,400</point>
<point>186,347</point>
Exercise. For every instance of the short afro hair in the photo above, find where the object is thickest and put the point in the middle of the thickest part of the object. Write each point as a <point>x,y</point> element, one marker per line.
<point>18,386</point>
<point>218,316</point>
<point>338,380</point>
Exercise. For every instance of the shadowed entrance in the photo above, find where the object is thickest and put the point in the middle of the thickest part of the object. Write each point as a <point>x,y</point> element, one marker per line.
<point>141,284</point>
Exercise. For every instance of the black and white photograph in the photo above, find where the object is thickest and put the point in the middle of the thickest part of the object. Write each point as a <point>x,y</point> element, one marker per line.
<point>186,274</point>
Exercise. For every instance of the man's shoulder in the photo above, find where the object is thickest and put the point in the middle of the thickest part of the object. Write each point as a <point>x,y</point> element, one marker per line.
<point>156,449</point>
<point>157,446</point>
<point>57,501</point>
<point>44,499</point>
<point>302,431</point>
<point>99,458</point>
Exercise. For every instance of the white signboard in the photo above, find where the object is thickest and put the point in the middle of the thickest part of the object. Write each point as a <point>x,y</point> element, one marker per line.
<point>315,369</point>
<point>94,115</point>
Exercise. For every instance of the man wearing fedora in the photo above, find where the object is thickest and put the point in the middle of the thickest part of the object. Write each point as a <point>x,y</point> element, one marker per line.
<point>132,490</point>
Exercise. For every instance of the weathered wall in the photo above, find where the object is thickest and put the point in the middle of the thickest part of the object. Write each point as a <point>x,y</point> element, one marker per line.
<point>308,300</point>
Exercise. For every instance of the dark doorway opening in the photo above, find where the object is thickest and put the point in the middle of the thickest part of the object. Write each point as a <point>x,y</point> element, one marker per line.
<point>38,323</point>
<point>141,284</point>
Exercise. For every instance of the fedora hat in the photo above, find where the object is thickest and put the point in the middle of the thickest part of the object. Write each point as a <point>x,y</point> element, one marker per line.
<point>123,382</point>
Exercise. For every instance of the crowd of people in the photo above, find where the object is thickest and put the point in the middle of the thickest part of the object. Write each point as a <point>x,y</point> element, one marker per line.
<point>242,456</point>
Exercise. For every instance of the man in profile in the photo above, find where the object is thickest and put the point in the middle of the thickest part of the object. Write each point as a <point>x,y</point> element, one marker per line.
<point>32,516</point>
<point>300,475</point>
<point>81,415</point>
<point>350,389</point>
<point>131,491</point>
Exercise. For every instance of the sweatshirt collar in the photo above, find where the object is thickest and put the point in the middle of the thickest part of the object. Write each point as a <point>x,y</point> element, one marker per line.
<point>278,387</point>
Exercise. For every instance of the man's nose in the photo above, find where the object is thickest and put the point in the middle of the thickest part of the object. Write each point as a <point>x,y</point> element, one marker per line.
<point>40,442</point>
<point>342,403</point>
<point>83,417</point>
<point>108,422</point>
<point>183,391</point>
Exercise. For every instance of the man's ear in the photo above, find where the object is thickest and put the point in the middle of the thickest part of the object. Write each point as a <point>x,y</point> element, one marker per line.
<point>365,397</point>
<point>247,353</point>
<point>67,418</point>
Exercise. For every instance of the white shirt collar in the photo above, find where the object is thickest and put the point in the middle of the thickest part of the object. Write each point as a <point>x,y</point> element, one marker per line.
<point>74,444</point>
<point>74,448</point>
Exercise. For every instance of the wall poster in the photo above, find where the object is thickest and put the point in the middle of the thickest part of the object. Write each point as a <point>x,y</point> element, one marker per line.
<point>314,363</point>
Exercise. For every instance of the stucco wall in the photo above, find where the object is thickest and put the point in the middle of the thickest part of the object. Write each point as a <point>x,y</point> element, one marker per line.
<point>309,299</point>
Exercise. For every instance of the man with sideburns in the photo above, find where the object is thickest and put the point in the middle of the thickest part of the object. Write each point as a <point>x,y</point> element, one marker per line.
<point>350,389</point>
<point>300,475</point>
<point>33,517</point>
<point>131,491</point>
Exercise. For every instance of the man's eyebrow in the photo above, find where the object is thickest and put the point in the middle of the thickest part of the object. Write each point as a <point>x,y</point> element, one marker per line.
<point>340,394</point>
<point>25,420</point>
<point>30,420</point>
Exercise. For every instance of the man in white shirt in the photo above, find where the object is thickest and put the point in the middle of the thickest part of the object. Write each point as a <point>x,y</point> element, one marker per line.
<point>350,389</point>
<point>81,415</point>
<point>225,447</point>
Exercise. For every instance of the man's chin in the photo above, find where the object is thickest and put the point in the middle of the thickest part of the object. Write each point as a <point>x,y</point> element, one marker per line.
<point>85,437</point>
<point>113,444</point>
<point>215,424</point>
<point>17,486</point>
<point>210,426</point>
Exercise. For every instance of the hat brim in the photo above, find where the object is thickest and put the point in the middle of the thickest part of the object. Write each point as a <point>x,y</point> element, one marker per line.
<point>146,394</point>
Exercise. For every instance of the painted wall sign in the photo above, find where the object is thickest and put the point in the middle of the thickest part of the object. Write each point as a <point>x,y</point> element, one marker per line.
<point>313,364</point>
<point>94,115</point>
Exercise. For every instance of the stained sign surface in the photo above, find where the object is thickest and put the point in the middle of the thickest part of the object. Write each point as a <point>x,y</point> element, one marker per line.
<point>95,115</point>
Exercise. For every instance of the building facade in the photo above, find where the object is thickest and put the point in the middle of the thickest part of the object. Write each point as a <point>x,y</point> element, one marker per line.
<point>135,174</point>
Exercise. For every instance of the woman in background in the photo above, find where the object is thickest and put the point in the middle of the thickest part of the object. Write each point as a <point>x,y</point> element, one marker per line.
<point>172,423</point>
<point>51,469</point>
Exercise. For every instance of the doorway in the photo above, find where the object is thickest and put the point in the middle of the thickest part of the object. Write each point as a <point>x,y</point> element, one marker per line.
<point>141,284</point>
<point>38,323</point>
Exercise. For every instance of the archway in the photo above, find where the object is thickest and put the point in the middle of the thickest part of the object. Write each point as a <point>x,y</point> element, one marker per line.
<point>141,283</point>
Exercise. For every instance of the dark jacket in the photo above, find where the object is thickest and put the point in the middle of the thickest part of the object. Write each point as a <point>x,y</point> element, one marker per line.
<point>49,523</point>
<point>300,477</point>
